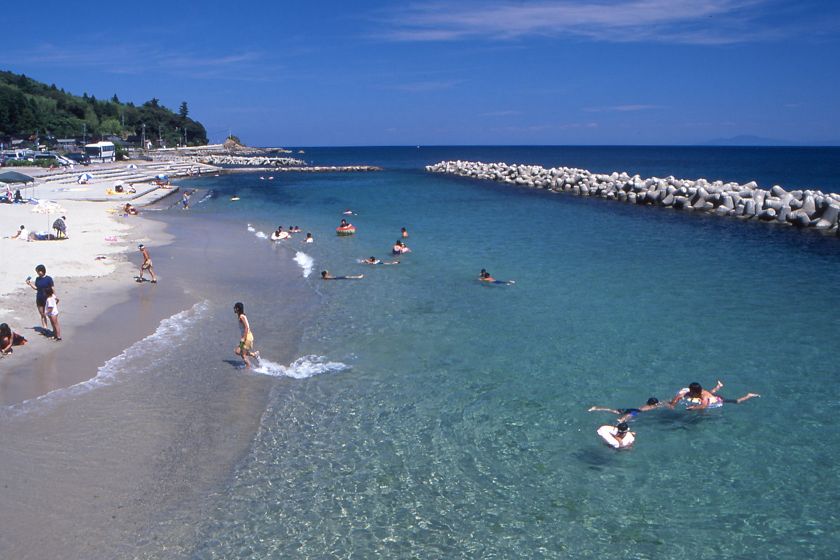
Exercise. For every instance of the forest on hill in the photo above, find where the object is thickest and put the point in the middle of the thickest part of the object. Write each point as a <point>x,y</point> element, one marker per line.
<point>30,109</point>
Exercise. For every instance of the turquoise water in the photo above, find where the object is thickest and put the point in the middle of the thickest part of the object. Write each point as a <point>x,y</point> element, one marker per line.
<point>459,426</point>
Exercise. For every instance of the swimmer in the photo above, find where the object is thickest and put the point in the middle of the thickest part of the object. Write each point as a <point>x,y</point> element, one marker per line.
<point>626,414</point>
<point>698,398</point>
<point>374,260</point>
<point>617,437</point>
<point>279,234</point>
<point>400,248</point>
<point>325,275</point>
<point>347,212</point>
<point>404,233</point>
<point>484,276</point>
<point>309,238</point>
<point>343,223</point>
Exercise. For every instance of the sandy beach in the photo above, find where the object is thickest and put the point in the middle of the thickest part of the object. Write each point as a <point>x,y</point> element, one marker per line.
<point>92,270</point>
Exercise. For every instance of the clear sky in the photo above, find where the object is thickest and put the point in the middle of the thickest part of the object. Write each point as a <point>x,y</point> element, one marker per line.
<point>369,72</point>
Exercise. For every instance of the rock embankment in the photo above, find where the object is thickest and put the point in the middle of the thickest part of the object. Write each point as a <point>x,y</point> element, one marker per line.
<point>254,161</point>
<point>800,208</point>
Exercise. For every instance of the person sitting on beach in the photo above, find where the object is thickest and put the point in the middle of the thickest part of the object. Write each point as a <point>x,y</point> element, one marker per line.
<point>60,227</point>
<point>617,437</point>
<point>9,338</point>
<point>627,414</point>
<point>7,198</point>
<point>130,210</point>
<point>309,238</point>
<point>279,234</point>
<point>325,275</point>
<point>21,234</point>
<point>696,397</point>
<point>374,260</point>
<point>246,341</point>
<point>18,199</point>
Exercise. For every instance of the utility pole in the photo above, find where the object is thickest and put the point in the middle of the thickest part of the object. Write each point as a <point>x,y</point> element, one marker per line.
<point>144,137</point>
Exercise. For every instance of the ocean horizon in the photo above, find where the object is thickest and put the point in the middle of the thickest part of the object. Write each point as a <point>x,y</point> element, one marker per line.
<point>418,412</point>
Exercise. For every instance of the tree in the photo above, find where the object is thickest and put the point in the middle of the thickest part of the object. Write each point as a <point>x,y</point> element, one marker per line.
<point>183,111</point>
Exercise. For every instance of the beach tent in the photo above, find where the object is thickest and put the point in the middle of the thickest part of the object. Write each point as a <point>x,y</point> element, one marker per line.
<point>162,177</point>
<point>84,178</point>
<point>132,166</point>
<point>11,177</point>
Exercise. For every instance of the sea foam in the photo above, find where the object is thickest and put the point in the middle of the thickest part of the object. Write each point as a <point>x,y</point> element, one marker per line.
<point>302,368</point>
<point>306,263</point>
<point>167,334</point>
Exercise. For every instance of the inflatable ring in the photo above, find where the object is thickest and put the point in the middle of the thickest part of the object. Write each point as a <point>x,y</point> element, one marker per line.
<point>349,229</point>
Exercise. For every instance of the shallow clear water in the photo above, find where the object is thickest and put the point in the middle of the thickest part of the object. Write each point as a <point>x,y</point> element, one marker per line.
<point>462,428</point>
<point>432,416</point>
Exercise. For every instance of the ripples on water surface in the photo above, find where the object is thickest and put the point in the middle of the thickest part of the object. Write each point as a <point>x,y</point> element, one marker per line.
<point>460,429</point>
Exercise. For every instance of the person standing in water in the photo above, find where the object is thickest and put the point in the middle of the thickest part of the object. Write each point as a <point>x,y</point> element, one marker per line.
<point>147,264</point>
<point>246,341</point>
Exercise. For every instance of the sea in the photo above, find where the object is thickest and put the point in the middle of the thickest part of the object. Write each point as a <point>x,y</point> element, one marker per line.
<point>420,413</point>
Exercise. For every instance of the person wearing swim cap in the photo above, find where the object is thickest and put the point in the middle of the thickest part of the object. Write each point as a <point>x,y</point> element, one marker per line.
<point>627,414</point>
<point>698,398</point>
<point>617,437</point>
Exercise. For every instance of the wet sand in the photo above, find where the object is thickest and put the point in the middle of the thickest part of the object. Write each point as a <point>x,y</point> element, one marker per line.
<point>125,470</point>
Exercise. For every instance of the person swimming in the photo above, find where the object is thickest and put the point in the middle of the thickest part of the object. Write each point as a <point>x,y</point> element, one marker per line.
<point>374,260</point>
<point>696,397</point>
<point>484,276</point>
<point>627,414</point>
<point>325,275</point>
<point>400,248</point>
<point>617,437</point>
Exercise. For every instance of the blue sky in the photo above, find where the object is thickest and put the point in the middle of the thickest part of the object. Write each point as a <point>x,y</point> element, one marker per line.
<point>429,72</point>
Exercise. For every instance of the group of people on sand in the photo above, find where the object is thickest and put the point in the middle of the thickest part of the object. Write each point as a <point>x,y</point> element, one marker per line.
<point>46,301</point>
<point>59,226</point>
<point>694,397</point>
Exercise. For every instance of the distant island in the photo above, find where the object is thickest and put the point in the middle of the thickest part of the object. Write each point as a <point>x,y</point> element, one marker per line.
<point>36,113</point>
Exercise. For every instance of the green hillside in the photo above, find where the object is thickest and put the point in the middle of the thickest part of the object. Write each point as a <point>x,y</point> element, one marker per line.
<point>29,108</point>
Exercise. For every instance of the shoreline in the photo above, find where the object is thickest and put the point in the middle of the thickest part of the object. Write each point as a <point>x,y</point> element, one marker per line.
<point>92,270</point>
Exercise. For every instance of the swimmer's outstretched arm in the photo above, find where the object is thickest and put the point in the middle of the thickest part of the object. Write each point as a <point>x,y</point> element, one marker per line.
<point>603,409</point>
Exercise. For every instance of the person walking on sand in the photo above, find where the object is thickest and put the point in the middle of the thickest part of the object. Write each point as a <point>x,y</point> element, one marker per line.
<point>52,313</point>
<point>246,341</point>
<point>40,286</point>
<point>147,264</point>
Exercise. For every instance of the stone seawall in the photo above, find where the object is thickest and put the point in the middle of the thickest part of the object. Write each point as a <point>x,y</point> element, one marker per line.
<point>800,208</point>
<point>252,161</point>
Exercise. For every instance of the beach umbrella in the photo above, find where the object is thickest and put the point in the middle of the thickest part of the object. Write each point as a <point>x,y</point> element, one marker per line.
<point>49,208</point>
<point>84,178</point>
<point>131,166</point>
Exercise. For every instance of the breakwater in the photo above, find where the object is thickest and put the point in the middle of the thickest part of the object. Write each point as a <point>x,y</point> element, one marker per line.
<point>800,208</point>
<point>250,161</point>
